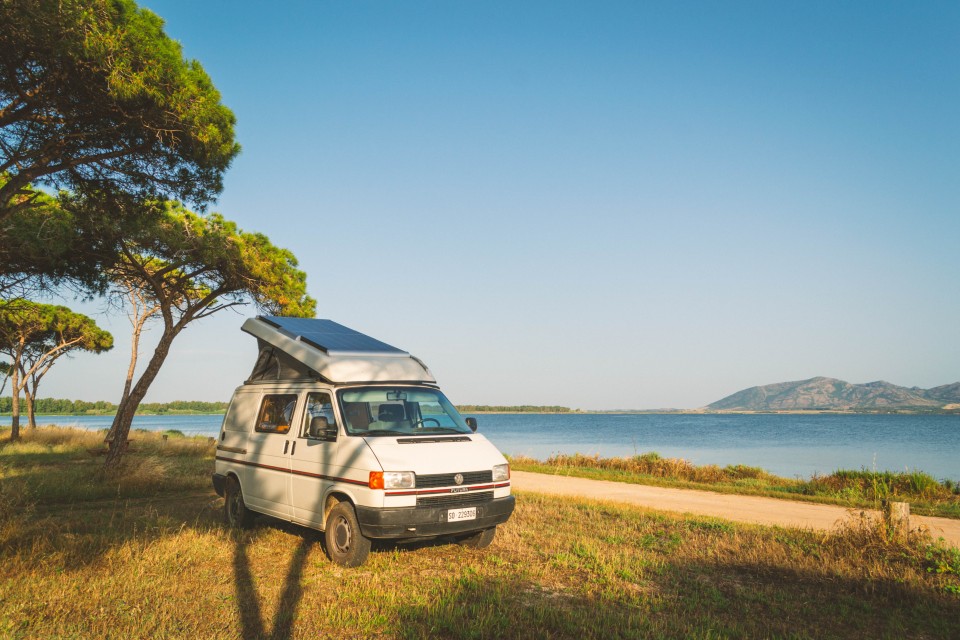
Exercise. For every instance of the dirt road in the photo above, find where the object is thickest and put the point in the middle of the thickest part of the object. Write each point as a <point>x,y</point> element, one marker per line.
<point>751,509</point>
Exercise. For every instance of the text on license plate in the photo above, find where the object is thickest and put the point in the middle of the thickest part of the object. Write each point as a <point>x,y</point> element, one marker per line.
<point>455,515</point>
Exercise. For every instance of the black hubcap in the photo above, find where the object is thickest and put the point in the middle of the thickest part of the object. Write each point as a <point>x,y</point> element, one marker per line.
<point>342,534</point>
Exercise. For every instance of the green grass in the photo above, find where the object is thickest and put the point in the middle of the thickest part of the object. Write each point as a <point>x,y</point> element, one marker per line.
<point>148,556</point>
<point>861,489</point>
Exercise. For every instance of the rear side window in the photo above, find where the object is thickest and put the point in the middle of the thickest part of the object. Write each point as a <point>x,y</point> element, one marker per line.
<point>242,408</point>
<point>276,413</point>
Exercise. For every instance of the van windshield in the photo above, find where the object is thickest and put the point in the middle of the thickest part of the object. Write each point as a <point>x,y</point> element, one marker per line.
<point>398,411</point>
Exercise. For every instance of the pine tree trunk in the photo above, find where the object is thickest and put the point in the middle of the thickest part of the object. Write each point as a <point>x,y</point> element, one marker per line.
<point>15,408</point>
<point>120,429</point>
<point>131,369</point>
<point>31,409</point>
<point>138,323</point>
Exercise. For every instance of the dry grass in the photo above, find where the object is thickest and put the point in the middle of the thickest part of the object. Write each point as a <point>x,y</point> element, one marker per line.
<point>163,566</point>
<point>52,465</point>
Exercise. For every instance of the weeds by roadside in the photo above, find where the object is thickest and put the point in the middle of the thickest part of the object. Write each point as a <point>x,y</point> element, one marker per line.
<point>862,489</point>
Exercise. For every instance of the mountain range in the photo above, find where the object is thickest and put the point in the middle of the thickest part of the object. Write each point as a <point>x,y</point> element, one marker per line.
<point>830,394</point>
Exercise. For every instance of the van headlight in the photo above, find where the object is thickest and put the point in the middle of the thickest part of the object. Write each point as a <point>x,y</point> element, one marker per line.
<point>501,472</point>
<point>399,479</point>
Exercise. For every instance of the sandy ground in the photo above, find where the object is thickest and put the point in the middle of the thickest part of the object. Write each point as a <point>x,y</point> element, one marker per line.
<point>751,509</point>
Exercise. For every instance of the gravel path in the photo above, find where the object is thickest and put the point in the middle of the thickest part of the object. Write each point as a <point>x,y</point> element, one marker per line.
<point>751,509</point>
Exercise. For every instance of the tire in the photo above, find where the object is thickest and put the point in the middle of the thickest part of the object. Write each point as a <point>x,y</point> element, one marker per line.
<point>346,545</point>
<point>478,540</point>
<point>235,512</point>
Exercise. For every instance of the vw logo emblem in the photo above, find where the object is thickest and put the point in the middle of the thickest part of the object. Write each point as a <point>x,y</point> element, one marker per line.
<point>458,478</point>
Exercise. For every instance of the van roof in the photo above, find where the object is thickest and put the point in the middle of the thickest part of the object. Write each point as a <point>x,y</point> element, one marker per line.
<point>335,352</point>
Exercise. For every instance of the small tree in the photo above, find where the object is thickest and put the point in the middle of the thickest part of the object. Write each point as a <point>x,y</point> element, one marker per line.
<point>141,307</point>
<point>4,376</point>
<point>94,96</point>
<point>191,267</point>
<point>34,336</point>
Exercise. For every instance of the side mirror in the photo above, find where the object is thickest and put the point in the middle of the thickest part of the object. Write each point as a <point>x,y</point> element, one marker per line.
<point>320,428</point>
<point>472,423</point>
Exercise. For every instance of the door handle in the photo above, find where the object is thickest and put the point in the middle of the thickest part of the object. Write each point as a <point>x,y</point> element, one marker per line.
<point>286,445</point>
<point>293,448</point>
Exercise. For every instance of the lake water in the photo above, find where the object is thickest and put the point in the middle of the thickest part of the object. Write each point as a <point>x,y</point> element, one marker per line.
<point>787,445</point>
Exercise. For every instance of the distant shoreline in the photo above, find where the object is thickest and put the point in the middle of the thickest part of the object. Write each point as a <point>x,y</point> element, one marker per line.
<point>699,412</point>
<point>80,414</point>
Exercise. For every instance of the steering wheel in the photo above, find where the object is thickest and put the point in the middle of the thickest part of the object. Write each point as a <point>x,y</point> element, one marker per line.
<point>423,421</point>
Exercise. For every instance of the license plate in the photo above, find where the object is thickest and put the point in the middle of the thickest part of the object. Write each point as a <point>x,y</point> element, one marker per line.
<point>456,515</point>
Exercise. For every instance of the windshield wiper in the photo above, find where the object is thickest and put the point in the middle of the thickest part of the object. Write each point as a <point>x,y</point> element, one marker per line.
<point>374,434</point>
<point>436,430</point>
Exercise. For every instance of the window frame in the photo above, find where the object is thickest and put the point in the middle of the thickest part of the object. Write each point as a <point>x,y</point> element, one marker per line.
<point>305,421</point>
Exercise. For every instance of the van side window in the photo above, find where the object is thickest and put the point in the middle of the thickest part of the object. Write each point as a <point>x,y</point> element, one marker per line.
<point>319,405</point>
<point>276,412</point>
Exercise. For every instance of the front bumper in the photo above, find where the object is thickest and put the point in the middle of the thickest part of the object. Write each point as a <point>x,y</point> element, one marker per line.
<point>430,522</point>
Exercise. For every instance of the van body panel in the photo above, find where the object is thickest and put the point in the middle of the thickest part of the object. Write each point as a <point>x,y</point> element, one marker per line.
<point>258,459</point>
<point>321,468</point>
<point>314,468</point>
<point>268,474</point>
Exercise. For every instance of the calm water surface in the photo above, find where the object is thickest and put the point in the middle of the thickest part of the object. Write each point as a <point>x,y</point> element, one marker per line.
<point>787,445</point>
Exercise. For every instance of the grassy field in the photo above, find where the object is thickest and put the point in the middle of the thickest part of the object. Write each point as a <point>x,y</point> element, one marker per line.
<point>859,489</point>
<point>143,553</point>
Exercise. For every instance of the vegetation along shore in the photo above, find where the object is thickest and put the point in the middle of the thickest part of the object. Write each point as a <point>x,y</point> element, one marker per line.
<point>141,551</point>
<point>857,489</point>
<point>61,407</point>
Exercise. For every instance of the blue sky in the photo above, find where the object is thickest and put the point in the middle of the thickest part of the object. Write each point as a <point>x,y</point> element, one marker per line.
<point>594,204</point>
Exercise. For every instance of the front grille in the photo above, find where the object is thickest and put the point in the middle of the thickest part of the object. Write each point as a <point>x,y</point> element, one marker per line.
<point>446,479</point>
<point>456,499</point>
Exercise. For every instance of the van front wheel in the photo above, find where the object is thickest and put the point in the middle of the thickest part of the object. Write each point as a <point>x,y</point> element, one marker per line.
<point>478,540</point>
<point>346,546</point>
<point>234,510</point>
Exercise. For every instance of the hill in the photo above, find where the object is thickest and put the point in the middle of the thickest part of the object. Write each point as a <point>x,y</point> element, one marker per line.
<point>830,394</point>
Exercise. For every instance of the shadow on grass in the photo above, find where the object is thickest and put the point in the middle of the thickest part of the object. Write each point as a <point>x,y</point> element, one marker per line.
<point>481,607</point>
<point>252,623</point>
<point>687,601</point>
<point>765,600</point>
<point>82,533</point>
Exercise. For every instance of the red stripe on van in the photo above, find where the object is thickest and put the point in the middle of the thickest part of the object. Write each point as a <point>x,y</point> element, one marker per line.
<point>293,471</point>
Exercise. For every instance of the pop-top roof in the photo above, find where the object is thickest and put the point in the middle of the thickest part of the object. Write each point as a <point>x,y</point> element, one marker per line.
<point>335,352</point>
<point>332,337</point>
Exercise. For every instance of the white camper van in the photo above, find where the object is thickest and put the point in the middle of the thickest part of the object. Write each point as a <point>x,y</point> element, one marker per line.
<point>343,433</point>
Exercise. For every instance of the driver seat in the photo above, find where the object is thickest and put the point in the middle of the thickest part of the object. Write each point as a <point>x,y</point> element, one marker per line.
<point>390,413</point>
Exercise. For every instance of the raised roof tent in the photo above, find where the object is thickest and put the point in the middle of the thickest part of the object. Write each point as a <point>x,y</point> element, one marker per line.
<point>295,347</point>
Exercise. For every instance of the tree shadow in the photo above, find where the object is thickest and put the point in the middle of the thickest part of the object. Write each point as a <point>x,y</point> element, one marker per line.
<point>476,607</point>
<point>84,532</point>
<point>252,623</point>
<point>735,598</point>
